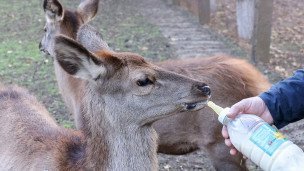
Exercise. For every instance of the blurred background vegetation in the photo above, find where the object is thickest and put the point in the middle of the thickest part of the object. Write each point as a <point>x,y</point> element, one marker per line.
<point>21,29</point>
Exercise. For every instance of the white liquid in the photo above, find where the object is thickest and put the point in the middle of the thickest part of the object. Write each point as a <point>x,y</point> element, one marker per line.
<point>261,143</point>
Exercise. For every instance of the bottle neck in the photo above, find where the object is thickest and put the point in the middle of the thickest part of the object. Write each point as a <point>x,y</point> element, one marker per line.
<point>223,118</point>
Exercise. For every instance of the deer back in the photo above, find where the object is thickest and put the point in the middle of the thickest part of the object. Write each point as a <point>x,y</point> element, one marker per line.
<point>31,139</point>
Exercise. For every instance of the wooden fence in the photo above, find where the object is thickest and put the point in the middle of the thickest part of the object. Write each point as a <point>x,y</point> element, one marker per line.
<point>254,18</point>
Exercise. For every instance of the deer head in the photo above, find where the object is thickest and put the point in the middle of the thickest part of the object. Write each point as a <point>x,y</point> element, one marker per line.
<point>60,20</point>
<point>130,89</point>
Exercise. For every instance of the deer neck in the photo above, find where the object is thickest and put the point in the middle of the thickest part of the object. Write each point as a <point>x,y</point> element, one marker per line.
<point>111,146</point>
<point>71,90</point>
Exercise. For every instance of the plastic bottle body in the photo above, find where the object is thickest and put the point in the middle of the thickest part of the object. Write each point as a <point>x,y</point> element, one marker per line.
<point>263,144</point>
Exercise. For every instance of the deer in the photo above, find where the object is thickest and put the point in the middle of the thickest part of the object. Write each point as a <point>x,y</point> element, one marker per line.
<point>230,80</point>
<point>118,115</point>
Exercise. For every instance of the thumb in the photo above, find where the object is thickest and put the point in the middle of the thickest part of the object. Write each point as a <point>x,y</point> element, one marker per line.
<point>236,109</point>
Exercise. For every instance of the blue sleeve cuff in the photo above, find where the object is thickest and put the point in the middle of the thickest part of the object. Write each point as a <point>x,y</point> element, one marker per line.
<point>285,100</point>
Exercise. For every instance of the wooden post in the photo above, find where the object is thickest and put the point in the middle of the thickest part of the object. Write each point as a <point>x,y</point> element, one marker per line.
<point>254,18</point>
<point>213,6</point>
<point>261,39</point>
<point>204,11</point>
<point>245,18</point>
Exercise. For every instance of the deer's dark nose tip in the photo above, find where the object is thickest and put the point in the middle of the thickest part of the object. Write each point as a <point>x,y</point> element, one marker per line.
<point>40,46</point>
<point>204,89</point>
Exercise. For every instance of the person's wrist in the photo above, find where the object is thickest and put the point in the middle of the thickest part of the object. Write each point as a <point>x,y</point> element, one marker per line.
<point>266,115</point>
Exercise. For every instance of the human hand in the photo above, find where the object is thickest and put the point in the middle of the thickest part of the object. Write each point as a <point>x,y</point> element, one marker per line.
<point>253,105</point>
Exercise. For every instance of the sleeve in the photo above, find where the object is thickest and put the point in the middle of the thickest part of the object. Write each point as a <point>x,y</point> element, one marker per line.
<point>285,100</point>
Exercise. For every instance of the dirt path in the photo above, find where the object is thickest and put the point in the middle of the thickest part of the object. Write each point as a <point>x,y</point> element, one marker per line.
<point>183,31</point>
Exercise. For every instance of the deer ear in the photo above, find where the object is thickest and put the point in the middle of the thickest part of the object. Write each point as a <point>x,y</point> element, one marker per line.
<point>78,61</point>
<point>88,9</point>
<point>91,39</point>
<point>53,10</point>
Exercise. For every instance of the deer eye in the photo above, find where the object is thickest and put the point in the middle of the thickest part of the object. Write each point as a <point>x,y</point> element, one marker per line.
<point>44,29</point>
<point>144,82</point>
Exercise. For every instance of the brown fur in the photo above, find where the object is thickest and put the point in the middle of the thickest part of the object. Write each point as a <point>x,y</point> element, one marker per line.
<point>223,72</point>
<point>70,23</point>
<point>32,139</point>
<point>230,80</point>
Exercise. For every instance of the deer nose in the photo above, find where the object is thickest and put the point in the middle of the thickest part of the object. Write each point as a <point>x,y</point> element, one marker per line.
<point>40,46</point>
<point>204,89</point>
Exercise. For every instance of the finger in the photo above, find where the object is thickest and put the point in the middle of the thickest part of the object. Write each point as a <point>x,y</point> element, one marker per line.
<point>225,132</point>
<point>228,142</point>
<point>233,151</point>
<point>236,109</point>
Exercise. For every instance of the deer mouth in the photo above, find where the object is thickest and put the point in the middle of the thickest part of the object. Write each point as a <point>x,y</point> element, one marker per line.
<point>184,107</point>
<point>45,52</point>
<point>192,106</point>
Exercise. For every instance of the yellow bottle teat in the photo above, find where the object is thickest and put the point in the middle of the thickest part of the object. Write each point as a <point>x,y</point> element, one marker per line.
<point>217,109</point>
